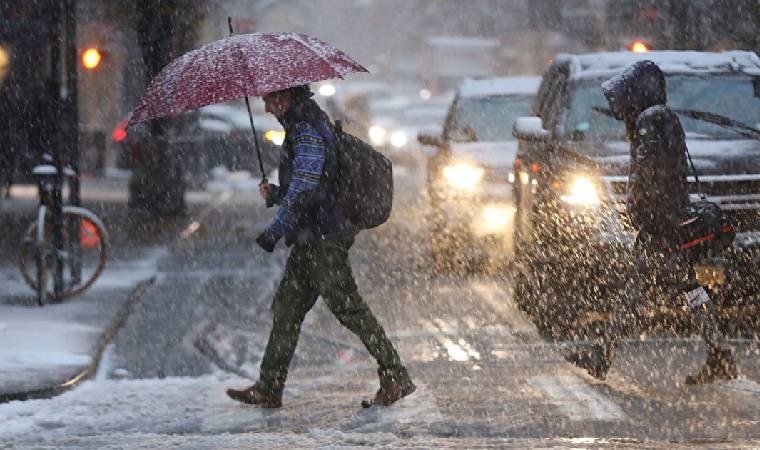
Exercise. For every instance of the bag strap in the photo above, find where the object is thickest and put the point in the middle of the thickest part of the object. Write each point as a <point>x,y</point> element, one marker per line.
<point>702,195</point>
<point>337,130</point>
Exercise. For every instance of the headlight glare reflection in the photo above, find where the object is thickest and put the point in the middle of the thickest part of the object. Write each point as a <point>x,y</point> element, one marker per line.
<point>582,191</point>
<point>463,176</point>
<point>378,135</point>
<point>399,139</point>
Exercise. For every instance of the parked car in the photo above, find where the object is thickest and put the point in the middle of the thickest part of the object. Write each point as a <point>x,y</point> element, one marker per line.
<point>214,135</point>
<point>468,174</point>
<point>572,236</point>
<point>237,152</point>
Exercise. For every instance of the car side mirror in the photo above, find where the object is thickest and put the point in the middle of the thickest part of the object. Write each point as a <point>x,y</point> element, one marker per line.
<point>530,129</point>
<point>430,140</point>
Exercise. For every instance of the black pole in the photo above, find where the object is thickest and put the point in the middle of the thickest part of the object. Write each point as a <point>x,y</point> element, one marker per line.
<point>72,134</point>
<point>52,119</point>
<point>250,117</point>
<point>72,100</point>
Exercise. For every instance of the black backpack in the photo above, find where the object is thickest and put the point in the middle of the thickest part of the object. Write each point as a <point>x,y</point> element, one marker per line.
<point>364,181</point>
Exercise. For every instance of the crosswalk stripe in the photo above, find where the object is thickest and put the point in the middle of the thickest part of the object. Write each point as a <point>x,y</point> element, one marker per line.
<point>456,351</point>
<point>576,399</point>
<point>501,302</point>
<point>747,390</point>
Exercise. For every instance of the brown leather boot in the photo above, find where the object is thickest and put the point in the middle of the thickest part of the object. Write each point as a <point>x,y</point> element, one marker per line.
<point>389,395</point>
<point>719,366</point>
<point>252,395</point>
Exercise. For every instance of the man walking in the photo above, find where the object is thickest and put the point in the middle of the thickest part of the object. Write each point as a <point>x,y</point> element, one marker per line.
<point>657,195</point>
<point>310,220</point>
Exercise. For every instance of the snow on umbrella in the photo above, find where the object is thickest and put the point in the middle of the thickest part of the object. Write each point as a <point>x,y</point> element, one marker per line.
<point>239,66</point>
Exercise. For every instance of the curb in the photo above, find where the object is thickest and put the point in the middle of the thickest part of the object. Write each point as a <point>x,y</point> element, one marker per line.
<point>121,317</point>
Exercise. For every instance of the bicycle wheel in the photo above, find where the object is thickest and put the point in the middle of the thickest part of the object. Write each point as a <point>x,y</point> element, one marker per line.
<point>37,257</point>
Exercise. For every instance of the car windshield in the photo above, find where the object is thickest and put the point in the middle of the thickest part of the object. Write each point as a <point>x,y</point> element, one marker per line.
<point>486,118</point>
<point>730,96</point>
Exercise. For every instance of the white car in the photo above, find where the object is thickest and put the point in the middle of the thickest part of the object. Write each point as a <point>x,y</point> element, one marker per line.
<point>468,175</point>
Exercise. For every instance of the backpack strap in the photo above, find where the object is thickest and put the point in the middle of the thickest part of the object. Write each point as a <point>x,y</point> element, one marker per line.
<point>702,195</point>
<point>337,130</point>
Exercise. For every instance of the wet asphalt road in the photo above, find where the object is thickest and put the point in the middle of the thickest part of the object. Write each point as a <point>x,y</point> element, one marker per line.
<point>482,369</point>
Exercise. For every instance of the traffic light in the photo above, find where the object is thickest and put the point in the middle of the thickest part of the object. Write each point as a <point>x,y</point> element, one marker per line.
<point>91,58</point>
<point>639,47</point>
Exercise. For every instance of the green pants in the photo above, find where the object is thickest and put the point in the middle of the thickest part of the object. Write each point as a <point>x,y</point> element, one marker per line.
<point>313,270</point>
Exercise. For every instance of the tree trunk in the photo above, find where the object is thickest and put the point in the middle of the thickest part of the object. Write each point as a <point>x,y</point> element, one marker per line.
<point>157,186</point>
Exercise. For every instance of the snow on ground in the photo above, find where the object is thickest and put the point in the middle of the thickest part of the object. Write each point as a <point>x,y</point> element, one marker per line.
<point>114,189</point>
<point>236,181</point>
<point>186,412</point>
<point>117,274</point>
<point>39,338</point>
<point>195,411</point>
<point>43,347</point>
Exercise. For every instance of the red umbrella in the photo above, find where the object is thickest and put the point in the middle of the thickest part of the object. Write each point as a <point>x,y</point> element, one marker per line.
<point>239,66</point>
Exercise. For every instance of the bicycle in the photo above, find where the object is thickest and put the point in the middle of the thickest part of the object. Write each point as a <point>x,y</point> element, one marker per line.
<point>83,243</point>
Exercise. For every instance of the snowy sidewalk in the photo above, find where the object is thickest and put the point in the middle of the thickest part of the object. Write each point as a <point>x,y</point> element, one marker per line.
<point>44,350</point>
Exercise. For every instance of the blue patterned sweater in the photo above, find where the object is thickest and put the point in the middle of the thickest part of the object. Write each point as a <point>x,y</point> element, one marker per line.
<point>310,209</point>
<point>308,159</point>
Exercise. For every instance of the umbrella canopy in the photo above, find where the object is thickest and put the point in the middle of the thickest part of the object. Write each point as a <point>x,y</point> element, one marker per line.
<point>239,66</point>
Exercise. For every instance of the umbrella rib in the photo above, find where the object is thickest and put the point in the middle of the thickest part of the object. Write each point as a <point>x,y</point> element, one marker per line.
<point>298,39</point>
<point>249,70</point>
<point>185,68</point>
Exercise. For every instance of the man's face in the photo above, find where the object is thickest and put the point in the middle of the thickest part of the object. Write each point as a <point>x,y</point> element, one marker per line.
<point>277,103</point>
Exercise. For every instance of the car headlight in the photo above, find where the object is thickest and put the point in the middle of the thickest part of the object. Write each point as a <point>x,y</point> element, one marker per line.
<point>582,191</point>
<point>327,90</point>
<point>378,135</point>
<point>276,137</point>
<point>399,138</point>
<point>463,176</point>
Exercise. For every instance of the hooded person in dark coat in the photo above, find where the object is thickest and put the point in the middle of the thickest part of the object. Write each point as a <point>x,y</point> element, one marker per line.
<point>656,196</point>
<point>310,219</point>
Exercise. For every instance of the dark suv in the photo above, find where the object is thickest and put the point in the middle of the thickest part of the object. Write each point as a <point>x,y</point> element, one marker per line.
<point>571,234</point>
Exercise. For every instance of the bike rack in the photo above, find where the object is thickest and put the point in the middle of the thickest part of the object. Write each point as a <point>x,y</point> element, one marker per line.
<point>50,187</point>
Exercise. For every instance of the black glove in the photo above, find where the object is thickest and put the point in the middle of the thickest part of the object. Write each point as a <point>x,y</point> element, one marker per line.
<point>266,241</point>
<point>273,196</point>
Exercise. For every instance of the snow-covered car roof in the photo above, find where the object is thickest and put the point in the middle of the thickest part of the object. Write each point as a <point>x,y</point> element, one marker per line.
<point>481,87</point>
<point>596,65</point>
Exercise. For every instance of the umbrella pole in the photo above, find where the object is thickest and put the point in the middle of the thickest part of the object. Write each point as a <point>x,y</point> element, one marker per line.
<point>256,142</point>
<point>250,117</point>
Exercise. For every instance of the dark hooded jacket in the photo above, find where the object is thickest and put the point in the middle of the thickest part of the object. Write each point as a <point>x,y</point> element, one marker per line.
<point>657,184</point>
<point>317,212</point>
